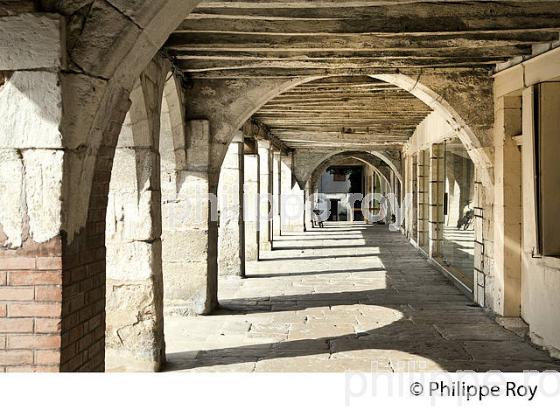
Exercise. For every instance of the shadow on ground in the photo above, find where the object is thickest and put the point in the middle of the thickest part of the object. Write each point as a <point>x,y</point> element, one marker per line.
<point>411,319</point>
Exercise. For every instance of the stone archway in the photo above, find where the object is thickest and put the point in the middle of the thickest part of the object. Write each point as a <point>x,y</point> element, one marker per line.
<point>306,163</point>
<point>364,157</point>
<point>87,73</point>
<point>233,102</point>
<point>470,140</point>
<point>382,170</point>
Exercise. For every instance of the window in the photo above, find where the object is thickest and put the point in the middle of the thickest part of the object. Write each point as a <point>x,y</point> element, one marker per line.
<point>547,167</point>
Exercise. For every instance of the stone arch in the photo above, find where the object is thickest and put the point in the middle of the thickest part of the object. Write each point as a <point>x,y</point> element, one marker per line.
<point>107,70</point>
<point>235,101</point>
<point>306,162</point>
<point>469,139</point>
<point>84,98</point>
<point>173,139</point>
<point>96,100</point>
<point>364,157</point>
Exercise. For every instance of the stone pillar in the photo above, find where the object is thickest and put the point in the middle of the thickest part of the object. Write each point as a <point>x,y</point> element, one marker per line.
<point>31,238</point>
<point>194,289</point>
<point>507,207</point>
<point>292,210</point>
<point>308,202</point>
<point>369,188</point>
<point>134,311</point>
<point>407,190</point>
<point>55,166</point>
<point>437,191</point>
<point>251,191</point>
<point>265,207</point>
<point>423,208</point>
<point>276,181</point>
<point>231,235</point>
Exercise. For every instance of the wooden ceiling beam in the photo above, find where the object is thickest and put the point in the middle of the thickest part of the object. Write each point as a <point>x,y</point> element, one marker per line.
<point>351,42</point>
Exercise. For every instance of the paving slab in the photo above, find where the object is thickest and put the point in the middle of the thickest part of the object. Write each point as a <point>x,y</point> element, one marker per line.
<point>346,298</point>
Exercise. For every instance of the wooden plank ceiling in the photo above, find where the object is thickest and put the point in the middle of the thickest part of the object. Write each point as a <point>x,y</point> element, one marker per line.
<point>350,39</point>
<point>351,111</point>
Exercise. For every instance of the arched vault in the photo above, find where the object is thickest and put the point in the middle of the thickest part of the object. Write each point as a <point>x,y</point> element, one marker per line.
<point>382,168</point>
<point>306,163</point>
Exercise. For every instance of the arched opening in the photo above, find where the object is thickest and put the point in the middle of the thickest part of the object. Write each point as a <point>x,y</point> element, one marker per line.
<point>238,336</point>
<point>364,177</point>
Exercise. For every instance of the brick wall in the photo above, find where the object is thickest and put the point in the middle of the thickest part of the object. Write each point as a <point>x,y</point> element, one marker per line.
<point>30,307</point>
<point>84,266</point>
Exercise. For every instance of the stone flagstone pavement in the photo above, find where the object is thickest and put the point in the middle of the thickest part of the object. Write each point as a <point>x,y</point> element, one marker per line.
<point>345,298</point>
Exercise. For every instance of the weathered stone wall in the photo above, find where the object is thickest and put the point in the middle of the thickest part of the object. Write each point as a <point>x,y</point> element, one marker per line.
<point>538,285</point>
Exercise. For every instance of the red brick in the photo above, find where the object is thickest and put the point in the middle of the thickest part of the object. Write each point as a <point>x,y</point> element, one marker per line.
<point>2,310</point>
<point>16,263</point>
<point>35,278</point>
<point>34,310</point>
<point>8,293</point>
<point>47,357</point>
<point>43,325</point>
<point>48,294</point>
<point>8,325</point>
<point>49,263</point>
<point>16,357</point>
<point>33,342</point>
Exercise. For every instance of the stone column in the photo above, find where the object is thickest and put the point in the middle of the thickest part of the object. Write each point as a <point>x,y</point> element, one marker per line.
<point>251,191</point>
<point>308,198</point>
<point>134,310</point>
<point>507,207</point>
<point>292,211</point>
<point>194,289</point>
<point>231,234</point>
<point>276,181</point>
<point>368,192</point>
<point>265,207</point>
<point>423,178</point>
<point>437,191</point>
